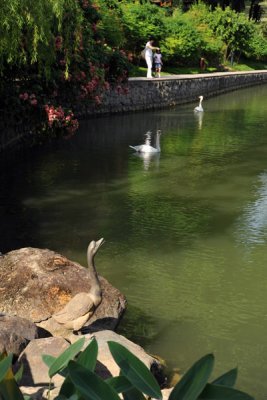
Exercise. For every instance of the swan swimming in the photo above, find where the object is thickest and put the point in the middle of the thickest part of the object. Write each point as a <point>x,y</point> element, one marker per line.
<point>147,148</point>
<point>199,108</point>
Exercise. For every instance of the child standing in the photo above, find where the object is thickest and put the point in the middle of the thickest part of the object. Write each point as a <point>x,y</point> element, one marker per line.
<point>158,63</point>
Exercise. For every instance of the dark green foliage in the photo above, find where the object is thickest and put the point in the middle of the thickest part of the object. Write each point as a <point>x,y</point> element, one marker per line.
<point>134,370</point>
<point>135,380</point>
<point>195,380</point>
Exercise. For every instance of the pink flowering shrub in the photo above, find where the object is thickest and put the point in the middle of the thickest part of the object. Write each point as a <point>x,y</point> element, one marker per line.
<point>59,119</point>
<point>74,66</point>
<point>31,99</point>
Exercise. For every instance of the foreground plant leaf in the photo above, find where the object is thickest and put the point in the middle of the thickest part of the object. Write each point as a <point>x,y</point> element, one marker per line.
<point>135,370</point>
<point>228,379</point>
<point>5,364</point>
<point>194,381</point>
<point>19,374</point>
<point>9,388</point>
<point>48,359</point>
<point>62,360</point>
<point>217,392</point>
<point>90,385</point>
<point>67,389</point>
<point>133,394</point>
<point>119,383</point>
<point>87,359</point>
<point>88,356</point>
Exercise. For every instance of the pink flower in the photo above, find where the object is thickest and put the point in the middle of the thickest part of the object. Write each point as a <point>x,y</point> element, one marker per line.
<point>34,102</point>
<point>58,42</point>
<point>106,85</point>
<point>85,4</point>
<point>24,96</point>
<point>98,100</point>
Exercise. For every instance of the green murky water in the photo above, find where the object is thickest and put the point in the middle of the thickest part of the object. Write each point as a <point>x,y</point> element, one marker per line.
<point>186,232</point>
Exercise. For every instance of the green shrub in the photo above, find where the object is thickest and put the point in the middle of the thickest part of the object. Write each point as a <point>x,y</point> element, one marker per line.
<point>257,46</point>
<point>142,22</point>
<point>182,42</point>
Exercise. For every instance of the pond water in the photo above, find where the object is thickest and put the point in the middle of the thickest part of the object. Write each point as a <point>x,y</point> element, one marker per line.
<point>186,231</point>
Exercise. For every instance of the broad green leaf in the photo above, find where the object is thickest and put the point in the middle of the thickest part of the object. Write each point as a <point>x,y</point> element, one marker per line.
<point>135,370</point>
<point>9,388</point>
<point>2,356</point>
<point>5,365</point>
<point>27,397</point>
<point>228,379</point>
<point>72,397</point>
<point>62,360</point>
<point>88,356</point>
<point>217,392</point>
<point>194,381</point>
<point>119,383</point>
<point>19,374</point>
<point>67,387</point>
<point>90,385</point>
<point>48,359</point>
<point>133,394</point>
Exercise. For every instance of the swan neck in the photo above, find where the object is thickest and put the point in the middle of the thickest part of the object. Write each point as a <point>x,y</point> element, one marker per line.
<point>158,142</point>
<point>95,291</point>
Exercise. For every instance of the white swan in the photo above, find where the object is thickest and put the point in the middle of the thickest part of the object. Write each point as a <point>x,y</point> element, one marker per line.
<point>147,142</point>
<point>147,148</point>
<point>199,108</point>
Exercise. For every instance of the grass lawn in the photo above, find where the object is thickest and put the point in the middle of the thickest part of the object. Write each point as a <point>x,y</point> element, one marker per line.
<point>243,65</point>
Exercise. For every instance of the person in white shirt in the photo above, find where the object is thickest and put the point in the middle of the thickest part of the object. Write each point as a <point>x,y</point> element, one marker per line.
<point>149,57</point>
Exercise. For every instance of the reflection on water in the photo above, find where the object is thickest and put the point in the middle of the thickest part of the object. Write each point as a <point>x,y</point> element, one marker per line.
<point>149,159</point>
<point>199,117</point>
<point>185,230</point>
<point>252,228</point>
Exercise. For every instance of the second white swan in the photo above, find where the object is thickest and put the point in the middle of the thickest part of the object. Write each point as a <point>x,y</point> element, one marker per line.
<point>147,148</point>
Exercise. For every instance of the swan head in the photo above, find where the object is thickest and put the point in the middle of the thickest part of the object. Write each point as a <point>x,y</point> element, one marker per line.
<point>94,246</point>
<point>201,98</point>
<point>158,132</point>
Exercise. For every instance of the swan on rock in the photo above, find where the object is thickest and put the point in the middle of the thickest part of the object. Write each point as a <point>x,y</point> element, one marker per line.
<point>82,306</point>
<point>146,147</point>
<point>199,108</point>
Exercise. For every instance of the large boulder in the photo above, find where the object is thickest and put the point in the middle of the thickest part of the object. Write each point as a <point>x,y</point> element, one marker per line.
<point>15,334</point>
<point>35,283</point>
<point>35,379</point>
<point>106,366</point>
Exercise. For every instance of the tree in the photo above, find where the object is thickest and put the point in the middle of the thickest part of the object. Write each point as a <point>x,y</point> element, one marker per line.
<point>232,28</point>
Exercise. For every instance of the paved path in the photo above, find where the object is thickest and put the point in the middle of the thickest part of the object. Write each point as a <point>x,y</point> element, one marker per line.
<point>197,76</point>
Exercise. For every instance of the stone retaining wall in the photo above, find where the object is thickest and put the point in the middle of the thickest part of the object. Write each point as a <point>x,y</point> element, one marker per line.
<point>146,94</point>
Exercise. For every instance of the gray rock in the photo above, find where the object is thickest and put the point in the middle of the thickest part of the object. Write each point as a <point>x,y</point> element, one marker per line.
<point>107,367</point>
<point>16,333</point>
<point>35,283</point>
<point>35,373</point>
<point>35,378</point>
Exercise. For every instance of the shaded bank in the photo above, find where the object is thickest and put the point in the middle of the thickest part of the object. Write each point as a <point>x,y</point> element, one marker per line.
<point>143,94</point>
